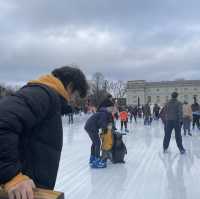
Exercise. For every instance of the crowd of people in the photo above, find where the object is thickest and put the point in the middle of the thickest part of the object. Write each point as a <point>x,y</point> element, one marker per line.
<point>190,114</point>
<point>174,115</point>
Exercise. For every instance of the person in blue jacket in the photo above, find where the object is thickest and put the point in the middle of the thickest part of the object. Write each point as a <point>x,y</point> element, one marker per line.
<point>99,120</point>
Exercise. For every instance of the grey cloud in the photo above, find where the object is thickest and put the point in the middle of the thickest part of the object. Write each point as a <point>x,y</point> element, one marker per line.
<point>153,40</point>
<point>51,13</point>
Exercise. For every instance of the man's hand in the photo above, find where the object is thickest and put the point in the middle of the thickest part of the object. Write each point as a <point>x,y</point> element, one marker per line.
<point>23,190</point>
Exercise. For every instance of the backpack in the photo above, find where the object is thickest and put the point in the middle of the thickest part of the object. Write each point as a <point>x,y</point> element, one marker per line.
<point>119,148</point>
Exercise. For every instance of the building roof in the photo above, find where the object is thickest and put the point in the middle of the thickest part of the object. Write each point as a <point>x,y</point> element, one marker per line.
<point>175,83</point>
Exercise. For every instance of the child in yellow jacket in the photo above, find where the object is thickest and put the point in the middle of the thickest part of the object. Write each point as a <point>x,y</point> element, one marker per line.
<point>106,143</point>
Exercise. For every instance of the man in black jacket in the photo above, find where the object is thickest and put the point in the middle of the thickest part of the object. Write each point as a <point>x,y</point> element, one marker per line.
<point>195,113</point>
<point>31,131</point>
<point>147,114</point>
<point>173,119</point>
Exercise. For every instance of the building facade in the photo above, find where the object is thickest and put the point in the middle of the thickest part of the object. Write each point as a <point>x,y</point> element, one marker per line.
<point>140,91</point>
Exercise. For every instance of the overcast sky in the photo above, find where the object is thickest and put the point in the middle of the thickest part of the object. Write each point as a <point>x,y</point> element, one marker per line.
<point>123,39</point>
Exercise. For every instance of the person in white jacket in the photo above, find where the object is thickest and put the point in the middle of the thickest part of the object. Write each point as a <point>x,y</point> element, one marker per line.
<point>187,118</point>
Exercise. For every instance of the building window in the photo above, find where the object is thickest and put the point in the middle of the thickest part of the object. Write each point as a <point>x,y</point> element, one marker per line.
<point>186,97</point>
<point>195,97</point>
<point>185,89</point>
<point>158,98</point>
<point>149,98</point>
<point>157,89</point>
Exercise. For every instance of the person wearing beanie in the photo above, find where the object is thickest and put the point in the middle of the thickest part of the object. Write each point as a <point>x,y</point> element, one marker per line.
<point>31,131</point>
<point>173,119</point>
<point>108,99</point>
<point>107,102</point>
<point>102,119</point>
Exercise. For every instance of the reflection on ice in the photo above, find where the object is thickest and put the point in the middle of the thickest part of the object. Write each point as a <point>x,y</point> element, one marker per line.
<point>147,173</point>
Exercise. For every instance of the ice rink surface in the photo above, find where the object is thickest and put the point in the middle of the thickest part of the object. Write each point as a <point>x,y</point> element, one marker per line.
<point>147,173</point>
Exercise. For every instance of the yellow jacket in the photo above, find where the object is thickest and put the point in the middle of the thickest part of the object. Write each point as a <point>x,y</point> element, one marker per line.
<point>106,140</point>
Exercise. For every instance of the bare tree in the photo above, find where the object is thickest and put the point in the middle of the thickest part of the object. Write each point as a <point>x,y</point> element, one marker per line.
<point>6,90</point>
<point>98,80</point>
<point>101,87</point>
<point>116,88</point>
<point>98,89</point>
<point>121,89</point>
<point>2,91</point>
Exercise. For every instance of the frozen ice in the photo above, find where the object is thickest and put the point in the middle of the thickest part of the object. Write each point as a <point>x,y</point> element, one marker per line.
<point>147,173</point>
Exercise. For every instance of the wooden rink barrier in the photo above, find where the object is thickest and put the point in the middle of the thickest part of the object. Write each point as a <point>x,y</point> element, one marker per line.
<point>39,194</point>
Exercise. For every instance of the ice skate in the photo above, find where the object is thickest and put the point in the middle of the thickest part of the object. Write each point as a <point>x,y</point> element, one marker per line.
<point>126,130</point>
<point>98,163</point>
<point>92,158</point>
<point>182,151</point>
<point>165,151</point>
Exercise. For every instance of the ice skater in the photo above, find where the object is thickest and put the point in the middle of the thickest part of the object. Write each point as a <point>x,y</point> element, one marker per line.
<point>124,119</point>
<point>147,114</point>
<point>196,114</point>
<point>135,112</point>
<point>99,120</point>
<point>187,118</point>
<point>71,118</point>
<point>173,118</point>
<point>156,111</point>
<point>106,143</point>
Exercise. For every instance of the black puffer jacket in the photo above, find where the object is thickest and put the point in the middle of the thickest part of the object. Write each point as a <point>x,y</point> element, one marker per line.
<point>98,120</point>
<point>31,135</point>
<point>147,110</point>
<point>195,107</point>
<point>174,111</point>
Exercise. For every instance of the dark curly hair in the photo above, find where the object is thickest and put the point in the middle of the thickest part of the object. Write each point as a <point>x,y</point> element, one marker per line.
<point>75,76</point>
<point>174,95</point>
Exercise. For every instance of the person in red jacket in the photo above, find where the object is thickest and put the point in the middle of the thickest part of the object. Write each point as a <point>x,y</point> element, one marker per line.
<point>124,119</point>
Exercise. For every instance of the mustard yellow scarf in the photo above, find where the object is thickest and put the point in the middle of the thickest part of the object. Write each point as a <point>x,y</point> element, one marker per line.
<point>54,83</point>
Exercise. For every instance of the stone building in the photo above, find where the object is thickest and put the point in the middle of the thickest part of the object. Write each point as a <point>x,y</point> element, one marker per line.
<point>140,91</point>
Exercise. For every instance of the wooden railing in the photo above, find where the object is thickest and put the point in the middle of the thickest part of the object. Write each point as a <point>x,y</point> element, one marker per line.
<point>39,194</point>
